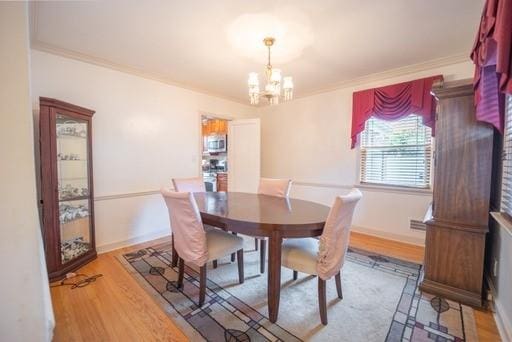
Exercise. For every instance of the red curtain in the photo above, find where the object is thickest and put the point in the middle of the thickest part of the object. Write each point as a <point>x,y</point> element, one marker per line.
<point>394,102</point>
<point>492,56</point>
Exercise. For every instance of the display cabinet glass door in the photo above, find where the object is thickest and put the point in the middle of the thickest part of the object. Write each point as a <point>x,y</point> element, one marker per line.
<point>73,186</point>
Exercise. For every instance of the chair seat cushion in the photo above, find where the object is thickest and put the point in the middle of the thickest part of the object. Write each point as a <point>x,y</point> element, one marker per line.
<point>208,227</point>
<point>221,243</point>
<point>300,255</point>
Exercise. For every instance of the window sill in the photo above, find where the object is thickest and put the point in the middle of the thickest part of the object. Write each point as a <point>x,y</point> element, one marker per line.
<point>395,189</point>
<point>502,221</point>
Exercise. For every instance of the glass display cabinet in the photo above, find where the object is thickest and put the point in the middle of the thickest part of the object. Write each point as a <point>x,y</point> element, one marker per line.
<point>66,186</point>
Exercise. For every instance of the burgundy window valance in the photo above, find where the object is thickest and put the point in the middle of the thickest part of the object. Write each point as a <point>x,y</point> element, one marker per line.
<point>394,102</point>
<point>492,56</point>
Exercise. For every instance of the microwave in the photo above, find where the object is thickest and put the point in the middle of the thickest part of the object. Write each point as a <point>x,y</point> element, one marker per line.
<point>216,143</point>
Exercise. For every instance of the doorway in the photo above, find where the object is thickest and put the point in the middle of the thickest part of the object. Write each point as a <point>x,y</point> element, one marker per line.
<point>214,153</point>
<point>230,153</point>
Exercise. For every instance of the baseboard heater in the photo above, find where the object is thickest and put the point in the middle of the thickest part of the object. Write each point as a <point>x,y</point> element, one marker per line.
<point>421,225</point>
<point>418,225</point>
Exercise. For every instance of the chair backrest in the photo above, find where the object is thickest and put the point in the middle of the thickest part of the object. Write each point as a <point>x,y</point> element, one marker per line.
<point>336,235</point>
<point>275,187</point>
<point>187,227</point>
<point>195,184</point>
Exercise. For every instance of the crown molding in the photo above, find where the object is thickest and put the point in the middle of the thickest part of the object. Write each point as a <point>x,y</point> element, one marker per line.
<point>391,73</point>
<point>82,57</point>
<point>376,77</point>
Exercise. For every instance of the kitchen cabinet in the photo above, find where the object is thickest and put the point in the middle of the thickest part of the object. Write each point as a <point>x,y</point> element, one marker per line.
<point>222,181</point>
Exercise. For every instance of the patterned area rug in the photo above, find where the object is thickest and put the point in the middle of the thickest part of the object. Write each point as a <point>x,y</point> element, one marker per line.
<point>381,302</point>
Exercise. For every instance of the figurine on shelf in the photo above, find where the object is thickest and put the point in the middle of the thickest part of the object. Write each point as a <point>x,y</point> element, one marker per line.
<point>69,192</point>
<point>68,213</point>
<point>72,248</point>
<point>71,128</point>
<point>72,156</point>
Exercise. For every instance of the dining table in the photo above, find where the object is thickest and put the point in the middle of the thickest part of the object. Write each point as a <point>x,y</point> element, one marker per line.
<point>276,218</point>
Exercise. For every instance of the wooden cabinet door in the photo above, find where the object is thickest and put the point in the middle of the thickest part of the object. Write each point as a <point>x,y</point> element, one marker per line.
<point>463,157</point>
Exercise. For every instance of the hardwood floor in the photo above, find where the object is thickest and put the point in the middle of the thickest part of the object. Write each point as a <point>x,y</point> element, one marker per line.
<point>116,308</point>
<point>113,308</point>
<point>399,250</point>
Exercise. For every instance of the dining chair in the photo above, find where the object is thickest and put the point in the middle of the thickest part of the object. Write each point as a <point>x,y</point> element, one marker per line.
<point>324,257</point>
<point>270,187</point>
<point>196,245</point>
<point>194,184</point>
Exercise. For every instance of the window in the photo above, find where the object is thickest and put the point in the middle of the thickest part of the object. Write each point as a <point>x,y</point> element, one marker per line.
<point>506,185</point>
<point>396,153</point>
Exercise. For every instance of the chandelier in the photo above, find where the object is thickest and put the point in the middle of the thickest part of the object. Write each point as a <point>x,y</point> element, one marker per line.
<point>274,84</point>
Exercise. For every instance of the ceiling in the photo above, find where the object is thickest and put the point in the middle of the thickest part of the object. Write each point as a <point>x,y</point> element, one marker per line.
<point>211,46</point>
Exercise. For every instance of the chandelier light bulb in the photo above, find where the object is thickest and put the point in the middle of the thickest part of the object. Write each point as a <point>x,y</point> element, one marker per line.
<point>254,90</point>
<point>275,76</point>
<point>270,88</point>
<point>253,79</point>
<point>287,82</point>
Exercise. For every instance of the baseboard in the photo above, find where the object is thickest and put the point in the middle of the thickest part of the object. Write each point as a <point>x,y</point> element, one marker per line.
<point>164,232</point>
<point>503,322</point>
<point>389,236</point>
<point>133,241</point>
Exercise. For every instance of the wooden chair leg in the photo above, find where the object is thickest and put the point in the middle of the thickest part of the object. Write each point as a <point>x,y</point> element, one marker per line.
<point>240,260</point>
<point>263,254</point>
<point>322,302</point>
<point>233,254</point>
<point>215,264</point>
<point>295,275</point>
<point>181,271</point>
<point>202,284</point>
<point>174,260</point>
<point>338,285</point>
<point>255,244</point>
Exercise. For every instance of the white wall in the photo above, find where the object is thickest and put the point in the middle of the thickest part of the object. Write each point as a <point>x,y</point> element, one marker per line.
<point>308,140</point>
<point>501,276</point>
<point>144,133</point>
<point>25,309</point>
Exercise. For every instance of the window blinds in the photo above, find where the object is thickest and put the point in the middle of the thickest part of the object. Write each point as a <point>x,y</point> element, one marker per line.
<point>506,186</point>
<point>396,152</point>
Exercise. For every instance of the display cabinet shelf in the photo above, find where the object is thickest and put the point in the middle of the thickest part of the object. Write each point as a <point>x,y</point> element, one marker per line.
<point>78,198</point>
<point>64,136</point>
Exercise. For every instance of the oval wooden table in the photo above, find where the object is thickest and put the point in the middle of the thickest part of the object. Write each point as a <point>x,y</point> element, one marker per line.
<point>262,215</point>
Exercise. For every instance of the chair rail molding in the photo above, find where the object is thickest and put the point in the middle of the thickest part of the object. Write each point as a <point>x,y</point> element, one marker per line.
<point>127,195</point>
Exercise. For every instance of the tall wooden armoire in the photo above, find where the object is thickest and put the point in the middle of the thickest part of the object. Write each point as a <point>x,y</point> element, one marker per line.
<point>455,242</point>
